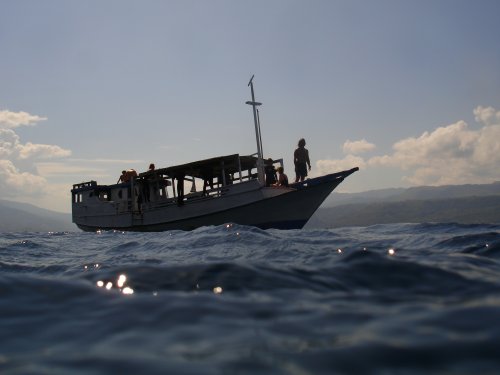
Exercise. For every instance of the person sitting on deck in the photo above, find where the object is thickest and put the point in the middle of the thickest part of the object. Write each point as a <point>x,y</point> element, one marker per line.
<point>131,173</point>
<point>282,179</point>
<point>127,175</point>
<point>270,172</point>
<point>121,179</point>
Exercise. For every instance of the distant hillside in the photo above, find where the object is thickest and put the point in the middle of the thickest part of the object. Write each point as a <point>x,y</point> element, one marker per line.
<point>466,210</point>
<point>414,193</point>
<point>23,217</point>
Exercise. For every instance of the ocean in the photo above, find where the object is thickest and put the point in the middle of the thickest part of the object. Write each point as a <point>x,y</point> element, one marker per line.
<point>385,299</point>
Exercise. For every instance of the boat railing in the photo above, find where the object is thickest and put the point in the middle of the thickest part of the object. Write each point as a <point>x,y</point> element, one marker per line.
<point>151,191</point>
<point>84,185</point>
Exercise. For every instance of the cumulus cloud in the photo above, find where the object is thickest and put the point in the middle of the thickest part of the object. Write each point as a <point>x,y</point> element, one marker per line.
<point>31,150</point>
<point>9,119</point>
<point>336,165</point>
<point>452,154</point>
<point>8,142</point>
<point>487,115</point>
<point>454,141</point>
<point>357,147</point>
<point>12,148</point>
<point>15,182</point>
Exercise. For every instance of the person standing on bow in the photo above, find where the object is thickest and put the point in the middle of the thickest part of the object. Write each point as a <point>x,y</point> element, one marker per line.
<point>301,161</point>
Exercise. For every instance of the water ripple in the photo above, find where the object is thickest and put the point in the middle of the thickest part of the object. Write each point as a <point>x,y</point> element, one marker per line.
<point>386,299</point>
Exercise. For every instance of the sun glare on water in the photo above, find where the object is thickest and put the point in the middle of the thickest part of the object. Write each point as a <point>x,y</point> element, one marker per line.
<point>120,284</point>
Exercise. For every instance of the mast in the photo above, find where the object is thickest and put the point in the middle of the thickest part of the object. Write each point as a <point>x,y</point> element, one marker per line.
<point>256,119</point>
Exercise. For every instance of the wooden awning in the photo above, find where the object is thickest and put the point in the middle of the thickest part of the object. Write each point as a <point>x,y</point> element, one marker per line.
<point>207,168</point>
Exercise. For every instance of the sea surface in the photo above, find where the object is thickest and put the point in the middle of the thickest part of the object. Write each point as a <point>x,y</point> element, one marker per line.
<point>385,299</point>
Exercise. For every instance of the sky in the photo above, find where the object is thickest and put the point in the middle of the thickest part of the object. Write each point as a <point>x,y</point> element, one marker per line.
<point>406,90</point>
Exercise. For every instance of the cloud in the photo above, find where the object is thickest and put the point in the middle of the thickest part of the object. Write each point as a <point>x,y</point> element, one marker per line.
<point>30,150</point>
<point>13,182</point>
<point>8,142</point>
<point>352,149</point>
<point>12,148</point>
<point>106,161</point>
<point>454,141</point>
<point>451,154</point>
<point>9,120</point>
<point>487,115</point>
<point>51,169</point>
<point>17,181</point>
<point>332,166</point>
<point>357,147</point>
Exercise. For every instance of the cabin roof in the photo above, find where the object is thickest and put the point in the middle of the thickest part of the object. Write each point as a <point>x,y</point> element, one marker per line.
<point>207,168</point>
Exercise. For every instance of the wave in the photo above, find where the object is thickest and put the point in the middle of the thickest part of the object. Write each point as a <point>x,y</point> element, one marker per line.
<point>398,298</point>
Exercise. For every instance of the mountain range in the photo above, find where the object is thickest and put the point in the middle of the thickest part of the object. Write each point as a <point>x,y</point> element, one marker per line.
<point>414,193</point>
<point>24,217</point>
<point>466,204</point>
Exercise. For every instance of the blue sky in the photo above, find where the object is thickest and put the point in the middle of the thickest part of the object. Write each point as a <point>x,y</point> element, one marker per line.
<point>409,91</point>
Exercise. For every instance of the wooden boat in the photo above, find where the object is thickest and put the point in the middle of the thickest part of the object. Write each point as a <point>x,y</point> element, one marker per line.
<point>234,191</point>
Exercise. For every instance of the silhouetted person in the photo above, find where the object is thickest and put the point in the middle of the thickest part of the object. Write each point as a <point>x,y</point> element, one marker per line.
<point>146,183</point>
<point>208,179</point>
<point>282,178</point>
<point>121,179</point>
<point>270,172</point>
<point>127,175</point>
<point>180,187</point>
<point>301,161</point>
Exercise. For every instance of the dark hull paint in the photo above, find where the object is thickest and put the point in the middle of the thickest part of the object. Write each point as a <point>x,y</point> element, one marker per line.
<point>287,211</point>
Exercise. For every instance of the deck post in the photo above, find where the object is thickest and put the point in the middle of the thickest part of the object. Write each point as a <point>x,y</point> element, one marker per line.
<point>239,167</point>
<point>132,194</point>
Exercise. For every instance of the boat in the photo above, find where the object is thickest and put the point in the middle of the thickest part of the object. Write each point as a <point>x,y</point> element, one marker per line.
<point>234,191</point>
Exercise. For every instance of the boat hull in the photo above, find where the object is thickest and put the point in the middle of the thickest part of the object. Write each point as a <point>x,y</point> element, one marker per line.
<point>289,210</point>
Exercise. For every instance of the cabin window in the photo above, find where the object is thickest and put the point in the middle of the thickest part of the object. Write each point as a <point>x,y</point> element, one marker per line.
<point>120,194</point>
<point>77,198</point>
